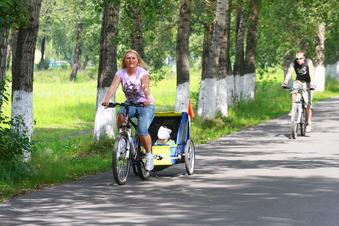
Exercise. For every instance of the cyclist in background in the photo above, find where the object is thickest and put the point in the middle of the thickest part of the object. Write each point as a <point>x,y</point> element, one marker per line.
<point>134,79</point>
<point>304,69</point>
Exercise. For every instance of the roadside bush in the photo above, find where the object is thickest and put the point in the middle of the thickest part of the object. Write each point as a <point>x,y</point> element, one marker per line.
<point>13,140</point>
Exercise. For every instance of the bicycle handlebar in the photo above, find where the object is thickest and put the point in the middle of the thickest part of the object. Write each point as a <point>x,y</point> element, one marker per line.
<point>112,105</point>
<point>304,89</point>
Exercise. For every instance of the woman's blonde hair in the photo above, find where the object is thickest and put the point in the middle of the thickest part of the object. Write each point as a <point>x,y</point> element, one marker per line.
<point>141,63</point>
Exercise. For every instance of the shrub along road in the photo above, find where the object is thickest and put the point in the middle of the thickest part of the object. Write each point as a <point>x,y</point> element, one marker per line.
<point>259,176</point>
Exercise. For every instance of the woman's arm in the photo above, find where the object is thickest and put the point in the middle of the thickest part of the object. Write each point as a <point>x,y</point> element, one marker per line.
<point>111,90</point>
<point>145,88</point>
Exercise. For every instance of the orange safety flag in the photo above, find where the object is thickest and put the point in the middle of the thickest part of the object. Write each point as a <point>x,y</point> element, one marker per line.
<point>190,111</point>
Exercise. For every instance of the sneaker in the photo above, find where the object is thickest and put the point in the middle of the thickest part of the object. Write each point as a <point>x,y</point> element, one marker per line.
<point>309,128</point>
<point>290,113</point>
<point>149,164</point>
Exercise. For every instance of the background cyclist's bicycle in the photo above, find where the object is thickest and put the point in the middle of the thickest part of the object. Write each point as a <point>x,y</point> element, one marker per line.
<point>298,113</point>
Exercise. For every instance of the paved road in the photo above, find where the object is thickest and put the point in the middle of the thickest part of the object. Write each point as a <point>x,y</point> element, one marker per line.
<point>258,176</point>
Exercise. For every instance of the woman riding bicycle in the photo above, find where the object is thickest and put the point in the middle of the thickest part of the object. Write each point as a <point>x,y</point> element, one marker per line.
<point>135,84</point>
<point>304,69</point>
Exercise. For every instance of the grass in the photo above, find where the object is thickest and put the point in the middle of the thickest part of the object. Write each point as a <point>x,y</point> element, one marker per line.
<point>62,109</point>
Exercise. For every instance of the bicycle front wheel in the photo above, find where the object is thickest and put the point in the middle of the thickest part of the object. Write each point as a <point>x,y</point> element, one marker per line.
<point>121,159</point>
<point>303,122</point>
<point>294,121</point>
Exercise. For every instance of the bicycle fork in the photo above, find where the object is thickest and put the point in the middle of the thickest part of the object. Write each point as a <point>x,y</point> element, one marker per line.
<point>297,105</point>
<point>130,144</point>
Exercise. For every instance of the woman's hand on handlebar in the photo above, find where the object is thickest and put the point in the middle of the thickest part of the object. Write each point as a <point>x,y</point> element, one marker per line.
<point>105,103</point>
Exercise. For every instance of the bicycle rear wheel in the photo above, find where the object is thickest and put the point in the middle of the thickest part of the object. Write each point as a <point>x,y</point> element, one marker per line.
<point>121,158</point>
<point>142,172</point>
<point>189,157</point>
<point>294,121</point>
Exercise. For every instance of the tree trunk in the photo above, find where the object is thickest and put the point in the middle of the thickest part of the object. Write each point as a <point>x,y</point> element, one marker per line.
<point>208,86</point>
<point>77,55</point>
<point>24,42</point>
<point>249,82</point>
<point>8,55</point>
<point>105,119</point>
<point>84,65</point>
<point>137,41</point>
<point>183,67</point>
<point>221,98</point>
<point>319,59</point>
<point>239,64</point>
<point>42,60</point>
<point>206,46</point>
<point>3,57</point>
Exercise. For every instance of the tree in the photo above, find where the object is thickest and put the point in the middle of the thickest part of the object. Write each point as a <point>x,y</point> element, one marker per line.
<point>3,53</point>
<point>134,11</point>
<point>105,119</point>
<point>24,41</point>
<point>224,67</point>
<point>208,86</point>
<point>77,54</point>
<point>183,69</point>
<point>239,64</point>
<point>12,13</point>
<point>319,59</point>
<point>251,48</point>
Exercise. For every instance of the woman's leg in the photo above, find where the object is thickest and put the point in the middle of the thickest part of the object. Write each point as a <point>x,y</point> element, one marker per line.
<point>146,142</point>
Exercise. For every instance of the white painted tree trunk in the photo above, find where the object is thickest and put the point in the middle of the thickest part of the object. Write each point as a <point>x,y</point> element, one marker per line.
<point>22,105</point>
<point>230,89</point>
<point>319,74</point>
<point>238,87</point>
<point>182,97</point>
<point>319,59</point>
<point>105,118</point>
<point>207,96</point>
<point>221,98</point>
<point>249,83</point>
<point>332,70</point>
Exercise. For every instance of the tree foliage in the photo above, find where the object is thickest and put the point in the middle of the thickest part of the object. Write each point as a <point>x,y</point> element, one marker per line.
<point>12,13</point>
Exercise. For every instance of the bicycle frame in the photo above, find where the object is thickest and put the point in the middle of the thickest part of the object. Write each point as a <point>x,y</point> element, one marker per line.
<point>298,116</point>
<point>133,154</point>
<point>126,127</point>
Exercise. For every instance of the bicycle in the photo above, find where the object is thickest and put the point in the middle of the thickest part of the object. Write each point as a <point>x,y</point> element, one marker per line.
<point>298,117</point>
<point>127,150</point>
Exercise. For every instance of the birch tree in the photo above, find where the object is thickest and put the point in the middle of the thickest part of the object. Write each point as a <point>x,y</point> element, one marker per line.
<point>182,53</point>
<point>24,41</point>
<point>137,39</point>
<point>249,82</point>
<point>105,119</point>
<point>208,85</point>
<point>3,54</point>
<point>319,59</point>
<point>239,64</point>
<point>12,14</point>
<point>224,68</point>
